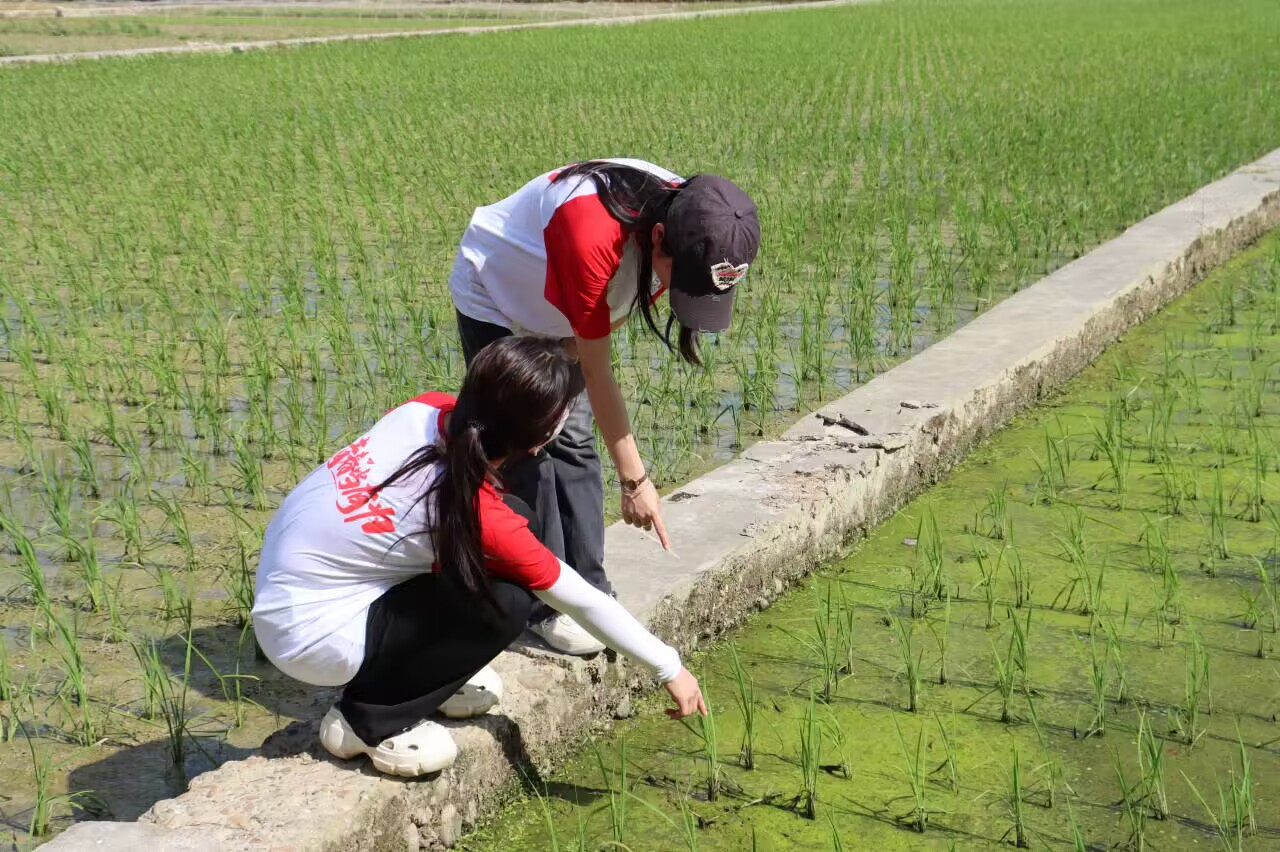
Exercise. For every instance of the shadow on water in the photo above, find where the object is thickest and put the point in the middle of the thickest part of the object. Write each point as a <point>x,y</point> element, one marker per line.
<point>131,780</point>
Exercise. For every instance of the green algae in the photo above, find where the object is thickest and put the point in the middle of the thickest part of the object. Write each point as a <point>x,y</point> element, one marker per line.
<point>1125,533</point>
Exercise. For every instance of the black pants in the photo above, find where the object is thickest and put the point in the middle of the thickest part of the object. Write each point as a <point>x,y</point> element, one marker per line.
<point>424,638</point>
<point>564,484</point>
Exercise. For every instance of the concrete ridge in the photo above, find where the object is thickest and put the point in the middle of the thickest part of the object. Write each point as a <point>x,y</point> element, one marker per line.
<point>744,532</point>
<point>242,46</point>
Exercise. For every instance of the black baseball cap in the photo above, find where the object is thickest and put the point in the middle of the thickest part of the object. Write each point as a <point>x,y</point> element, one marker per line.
<point>712,231</point>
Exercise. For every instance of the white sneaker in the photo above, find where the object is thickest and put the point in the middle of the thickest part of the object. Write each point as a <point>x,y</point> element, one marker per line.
<point>427,747</point>
<point>566,635</point>
<point>480,694</point>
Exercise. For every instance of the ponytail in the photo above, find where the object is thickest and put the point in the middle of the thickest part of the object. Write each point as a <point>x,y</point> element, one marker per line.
<point>512,399</point>
<point>457,504</point>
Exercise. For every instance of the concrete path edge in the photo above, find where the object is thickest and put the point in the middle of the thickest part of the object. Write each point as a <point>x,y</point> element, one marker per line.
<point>743,533</point>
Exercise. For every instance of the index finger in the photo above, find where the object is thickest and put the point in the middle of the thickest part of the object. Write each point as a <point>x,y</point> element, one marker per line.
<point>661,530</point>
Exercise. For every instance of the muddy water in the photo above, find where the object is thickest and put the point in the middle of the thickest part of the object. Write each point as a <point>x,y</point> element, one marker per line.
<point>1100,663</point>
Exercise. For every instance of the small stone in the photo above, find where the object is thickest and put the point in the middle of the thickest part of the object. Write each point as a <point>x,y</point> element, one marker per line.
<point>623,709</point>
<point>422,816</point>
<point>910,542</point>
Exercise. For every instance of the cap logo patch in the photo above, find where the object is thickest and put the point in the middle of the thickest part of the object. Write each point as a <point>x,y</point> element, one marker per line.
<point>725,275</point>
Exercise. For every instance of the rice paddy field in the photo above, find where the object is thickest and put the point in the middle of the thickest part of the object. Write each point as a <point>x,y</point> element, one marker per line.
<point>44,28</point>
<point>215,270</point>
<point>1068,645</point>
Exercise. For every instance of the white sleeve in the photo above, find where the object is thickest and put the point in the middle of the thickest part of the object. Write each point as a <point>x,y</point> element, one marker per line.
<point>607,620</point>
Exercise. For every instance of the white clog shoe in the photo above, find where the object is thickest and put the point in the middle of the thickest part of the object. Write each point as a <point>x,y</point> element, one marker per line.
<point>567,636</point>
<point>480,694</point>
<point>426,747</point>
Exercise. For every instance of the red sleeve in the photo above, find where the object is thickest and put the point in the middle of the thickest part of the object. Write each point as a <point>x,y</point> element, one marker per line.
<point>435,399</point>
<point>511,551</point>
<point>584,248</point>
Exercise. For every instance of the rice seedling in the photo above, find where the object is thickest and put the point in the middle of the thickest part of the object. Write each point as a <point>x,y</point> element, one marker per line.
<point>1196,691</point>
<point>1178,486</point>
<point>167,695</point>
<point>1267,601</point>
<point>1255,490</point>
<point>941,630</point>
<point>913,768</point>
<point>1085,576</point>
<point>949,768</point>
<point>824,645</point>
<point>988,571</point>
<point>1151,755</point>
<point>1159,423</point>
<point>29,567</point>
<point>930,568</point>
<point>618,790</point>
<point>176,520</point>
<point>1132,806</point>
<point>231,684</point>
<point>6,673</point>
<point>247,463</point>
<point>1019,573</point>
<point>1223,316</point>
<point>1016,811</point>
<point>1216,524</point>
<point>745,695</point>
<point>837,844</point>
<point>65,639</point>
<point>810,760</point>
<point>995,515</point>
<point>20,703</point>
<point>1227,819</point>
<point>1246,818</point>
<point>904,633</point>
<point>47,803</point>
<point>834,735</point>
<point>86,464</point>
<point>1052,471</point>
<point>1078,843</point>
<point>89,569</point>
<point>706,734</point>
<point>1100,679</point>
<point>1006,683</point>
<point>122,512</point>
<point>1112,444</point>
<point>238,580</point>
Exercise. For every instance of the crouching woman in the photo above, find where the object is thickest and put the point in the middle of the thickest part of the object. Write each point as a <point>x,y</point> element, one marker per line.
<point>399,569</point>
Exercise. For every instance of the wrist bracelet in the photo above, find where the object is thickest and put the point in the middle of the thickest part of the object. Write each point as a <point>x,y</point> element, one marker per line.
<point>630,486</point>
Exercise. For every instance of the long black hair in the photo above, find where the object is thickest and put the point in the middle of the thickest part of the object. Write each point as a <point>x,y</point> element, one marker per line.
<point>514,395</point>
<point>638,200</point>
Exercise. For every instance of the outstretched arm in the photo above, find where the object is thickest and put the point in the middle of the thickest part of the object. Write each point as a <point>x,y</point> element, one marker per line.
<point>607,620</point>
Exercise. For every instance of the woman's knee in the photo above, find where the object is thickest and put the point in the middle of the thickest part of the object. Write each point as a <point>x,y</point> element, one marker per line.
<point>515,603</point>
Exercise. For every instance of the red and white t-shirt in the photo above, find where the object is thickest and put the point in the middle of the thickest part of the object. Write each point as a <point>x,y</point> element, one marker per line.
<point>332,550</point>
<point>549,260</point>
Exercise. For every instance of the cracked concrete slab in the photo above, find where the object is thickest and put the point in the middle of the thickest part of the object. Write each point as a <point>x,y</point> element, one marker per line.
<point>742,534</point>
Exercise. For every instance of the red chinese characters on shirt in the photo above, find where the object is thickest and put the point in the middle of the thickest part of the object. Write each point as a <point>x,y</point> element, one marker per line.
<point>350,469</point>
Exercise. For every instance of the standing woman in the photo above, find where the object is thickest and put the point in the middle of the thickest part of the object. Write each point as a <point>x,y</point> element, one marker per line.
<point>570,256</point>
<point>399,571</point>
